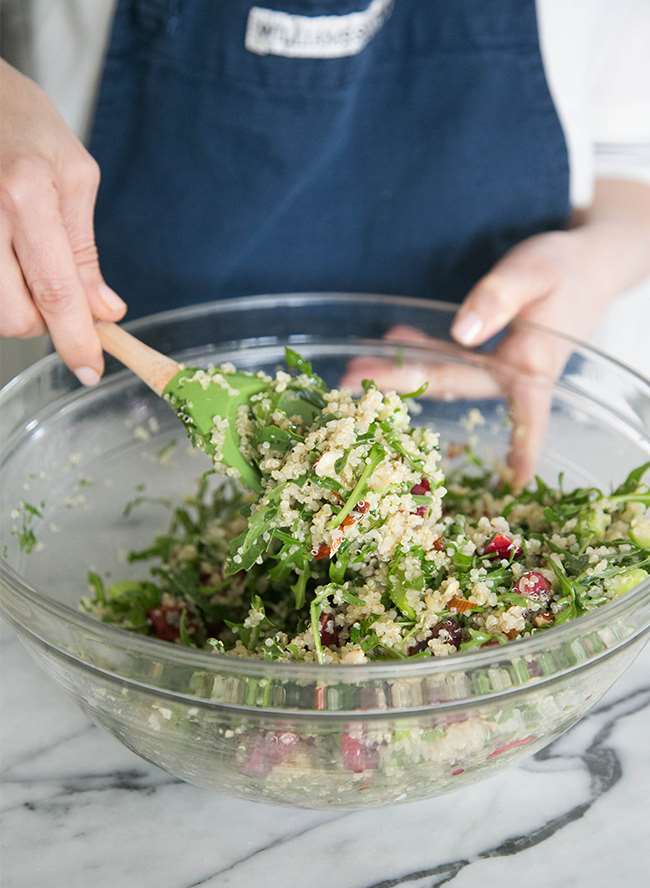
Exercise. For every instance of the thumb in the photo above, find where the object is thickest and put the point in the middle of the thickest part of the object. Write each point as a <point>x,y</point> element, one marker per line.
<point>519,279</point>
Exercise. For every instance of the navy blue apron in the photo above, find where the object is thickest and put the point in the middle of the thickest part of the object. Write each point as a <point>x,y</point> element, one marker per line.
<point>409,166</point>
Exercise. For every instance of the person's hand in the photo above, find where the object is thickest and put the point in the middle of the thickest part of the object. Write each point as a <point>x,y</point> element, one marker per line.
<point>563,280</point>
<point>49,268</point>
<point>542,280</point>
<point>546,280</point>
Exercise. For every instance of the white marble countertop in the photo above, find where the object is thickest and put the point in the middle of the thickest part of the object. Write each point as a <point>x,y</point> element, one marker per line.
<point>78,810</point>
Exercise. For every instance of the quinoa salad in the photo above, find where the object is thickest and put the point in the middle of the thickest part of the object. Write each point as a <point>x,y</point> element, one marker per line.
<point>359,547</point>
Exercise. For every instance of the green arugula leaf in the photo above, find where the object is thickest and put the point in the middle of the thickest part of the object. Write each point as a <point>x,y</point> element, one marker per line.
<point>184,634</point>
<point>24,533</point>
<point>277,438</point>
<point>97,585</point>
<point>397,587</point>
<point>417,393</point>
<point>339,564</point>
<point>300,365</point>
<point>351,598</point>
<point>633,480</point>
<point>374,458</point>
<point>299,588</point>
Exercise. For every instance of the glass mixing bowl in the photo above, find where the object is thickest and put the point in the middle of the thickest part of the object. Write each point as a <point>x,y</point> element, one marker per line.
<point>303,734</point>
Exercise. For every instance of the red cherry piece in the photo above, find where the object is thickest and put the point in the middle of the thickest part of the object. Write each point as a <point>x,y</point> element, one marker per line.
<point>534,585</point>
<point>323,551</point>
<point>421,511</point>
<point>421,488</point>
<point>502,546</point>
<point>363,507</point>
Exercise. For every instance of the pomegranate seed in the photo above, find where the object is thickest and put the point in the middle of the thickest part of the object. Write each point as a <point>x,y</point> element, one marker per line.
<point>421,511</point>
<point>356,755</point>
<point>363,507</point>
<point>534,585</point>
<point>439,544</point>
<point>457,771</point>
<point>421,487</point>
<point>348,521</point>
<point>165,621</point>
<point>329,634</point>
<point>323,551</point>
<point>502,546</point>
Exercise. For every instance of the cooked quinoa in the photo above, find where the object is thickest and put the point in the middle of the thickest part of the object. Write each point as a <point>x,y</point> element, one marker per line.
<point>359,548</point>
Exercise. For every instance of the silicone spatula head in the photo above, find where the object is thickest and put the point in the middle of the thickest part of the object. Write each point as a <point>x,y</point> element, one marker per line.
<point>199,398</point>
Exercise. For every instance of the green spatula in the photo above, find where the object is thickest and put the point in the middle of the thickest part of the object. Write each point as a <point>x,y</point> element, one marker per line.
<point>197,401</point>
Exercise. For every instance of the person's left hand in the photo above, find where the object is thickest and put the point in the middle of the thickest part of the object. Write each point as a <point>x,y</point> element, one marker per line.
<point>549,279</point>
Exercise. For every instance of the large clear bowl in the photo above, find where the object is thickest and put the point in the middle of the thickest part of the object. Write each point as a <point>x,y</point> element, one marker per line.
<point>303,734</point>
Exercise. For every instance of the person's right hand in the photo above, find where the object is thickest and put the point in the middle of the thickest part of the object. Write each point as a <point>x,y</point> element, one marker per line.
<point>49,269</point>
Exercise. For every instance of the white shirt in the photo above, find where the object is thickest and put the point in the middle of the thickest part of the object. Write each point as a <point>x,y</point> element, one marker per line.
<point>596,55</point>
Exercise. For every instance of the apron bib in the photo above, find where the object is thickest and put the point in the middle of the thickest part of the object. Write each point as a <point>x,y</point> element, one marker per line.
<point>400,150</point>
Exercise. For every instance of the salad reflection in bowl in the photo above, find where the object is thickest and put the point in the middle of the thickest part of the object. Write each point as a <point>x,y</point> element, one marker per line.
<point>388,619</point>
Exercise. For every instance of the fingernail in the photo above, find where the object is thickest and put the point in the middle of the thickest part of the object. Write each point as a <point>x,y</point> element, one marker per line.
<point>87,376</point>
<point>111,298</point>
<point>467,327</point>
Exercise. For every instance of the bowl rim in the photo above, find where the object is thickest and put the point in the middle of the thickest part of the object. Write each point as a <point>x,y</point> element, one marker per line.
<point>373,670</point>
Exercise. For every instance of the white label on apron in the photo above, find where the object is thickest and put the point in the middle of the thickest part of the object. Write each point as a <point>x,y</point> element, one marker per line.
<point>269,32</point>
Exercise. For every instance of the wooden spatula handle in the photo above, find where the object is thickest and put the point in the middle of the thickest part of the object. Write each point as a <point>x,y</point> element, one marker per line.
<point>151,366</point>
